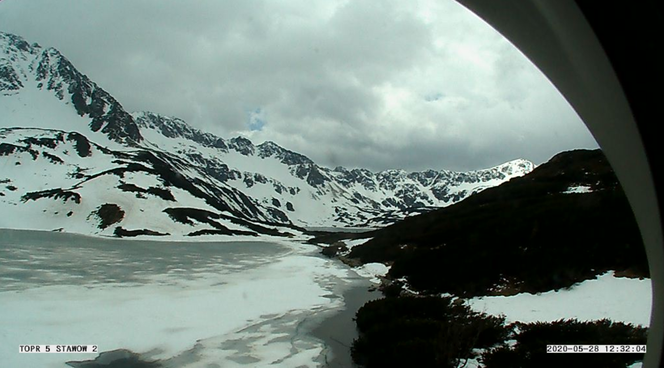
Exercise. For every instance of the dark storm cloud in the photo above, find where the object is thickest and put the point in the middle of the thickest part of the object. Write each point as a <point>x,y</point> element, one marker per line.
<point>376,84</point>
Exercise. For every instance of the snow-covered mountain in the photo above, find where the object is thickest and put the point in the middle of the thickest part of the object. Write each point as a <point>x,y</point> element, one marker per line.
<point>73,158</point>
<point>311,195</point>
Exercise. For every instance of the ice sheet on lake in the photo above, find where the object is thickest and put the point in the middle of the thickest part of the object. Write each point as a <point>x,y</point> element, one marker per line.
<point>182,310</point>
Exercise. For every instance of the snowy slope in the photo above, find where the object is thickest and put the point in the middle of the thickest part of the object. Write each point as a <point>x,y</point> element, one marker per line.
<point>60,180</point>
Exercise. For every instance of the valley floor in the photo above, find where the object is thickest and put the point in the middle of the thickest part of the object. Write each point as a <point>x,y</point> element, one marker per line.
<point>217,304</point>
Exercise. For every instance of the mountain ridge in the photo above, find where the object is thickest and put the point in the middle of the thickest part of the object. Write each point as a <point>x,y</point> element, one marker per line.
<point>52,113</point>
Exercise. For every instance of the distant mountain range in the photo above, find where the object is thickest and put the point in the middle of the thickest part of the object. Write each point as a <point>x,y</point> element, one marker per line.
<point>74,159</point>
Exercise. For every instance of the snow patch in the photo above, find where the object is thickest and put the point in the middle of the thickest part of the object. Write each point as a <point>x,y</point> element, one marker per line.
<point>578,189</point>
<point>618,299</point>
<point>373,271</point>
<point>351,243</point>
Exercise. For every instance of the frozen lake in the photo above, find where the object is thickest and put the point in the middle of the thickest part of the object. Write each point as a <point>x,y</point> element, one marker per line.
<point>180,304</point>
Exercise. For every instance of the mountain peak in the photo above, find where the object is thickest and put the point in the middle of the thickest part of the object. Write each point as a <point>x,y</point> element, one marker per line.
<point>10,41</point>
<point>26,70</point>
<point>271,149</point>
<point>242,145</point>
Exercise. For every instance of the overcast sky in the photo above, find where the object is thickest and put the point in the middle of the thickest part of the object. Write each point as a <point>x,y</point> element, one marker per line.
<point>374,84</point>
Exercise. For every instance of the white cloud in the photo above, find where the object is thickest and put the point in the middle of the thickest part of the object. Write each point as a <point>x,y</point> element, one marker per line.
<point>372,84</point>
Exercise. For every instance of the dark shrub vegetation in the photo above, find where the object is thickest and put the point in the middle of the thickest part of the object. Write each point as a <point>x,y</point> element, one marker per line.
<point>439,332</point>
<point>422,332</point>
<point>109,214</point>
<point>57,193</point>
<point>121,232</point>
<point>164,194</point>
<point>532,339</point>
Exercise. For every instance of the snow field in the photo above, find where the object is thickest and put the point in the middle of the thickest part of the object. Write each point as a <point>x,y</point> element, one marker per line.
<point>616,298</point>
